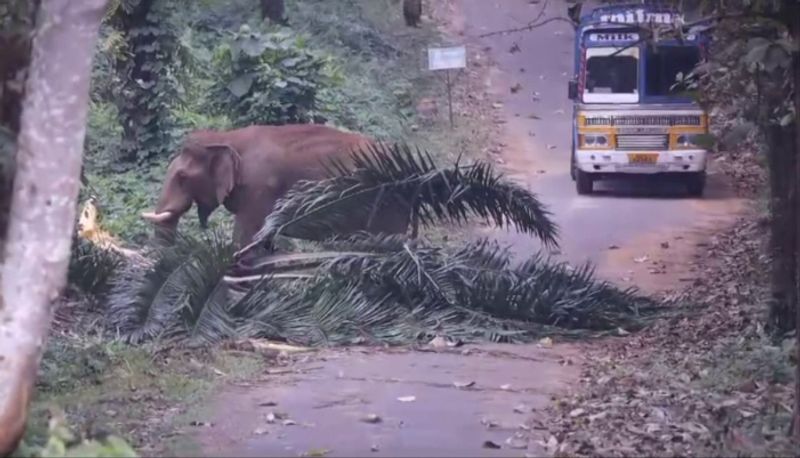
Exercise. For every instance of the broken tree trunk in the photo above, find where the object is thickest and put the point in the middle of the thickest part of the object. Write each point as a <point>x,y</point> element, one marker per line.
<point>49,153</point>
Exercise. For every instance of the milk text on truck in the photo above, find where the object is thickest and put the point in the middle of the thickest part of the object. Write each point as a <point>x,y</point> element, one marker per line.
<point>630,114</point>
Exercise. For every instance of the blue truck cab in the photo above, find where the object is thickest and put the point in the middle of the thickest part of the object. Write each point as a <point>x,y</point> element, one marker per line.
<point>631,116</point>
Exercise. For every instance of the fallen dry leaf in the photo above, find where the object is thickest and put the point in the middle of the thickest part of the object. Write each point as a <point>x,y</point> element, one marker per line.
<point>316,452</point>
<point>517,443</point>
<point>461,385</point>
<point>438,342</point>
<point>371,418</point>
<point>577,412</point>
<point>490,444</point>
<point>201,423</point>
<point>489,423</point>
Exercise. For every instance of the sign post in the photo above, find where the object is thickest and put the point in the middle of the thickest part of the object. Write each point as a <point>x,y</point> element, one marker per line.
<point>447,59</point>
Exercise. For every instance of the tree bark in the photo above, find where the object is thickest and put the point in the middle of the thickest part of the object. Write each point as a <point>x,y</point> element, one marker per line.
<point>274,10</point>
<point>50,147</point>
<point>412,12</point>
<point>794,29</point>
<point>783,242</point>
<point>15,54</point>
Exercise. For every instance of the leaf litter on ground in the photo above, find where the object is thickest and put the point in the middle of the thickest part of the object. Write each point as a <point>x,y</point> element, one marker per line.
<point>702,381</point>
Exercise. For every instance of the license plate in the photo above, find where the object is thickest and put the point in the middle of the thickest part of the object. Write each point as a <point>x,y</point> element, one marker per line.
<point>643,159</point>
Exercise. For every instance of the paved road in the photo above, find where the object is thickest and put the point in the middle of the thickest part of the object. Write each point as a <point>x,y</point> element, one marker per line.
<point>627,215</point>
<point>394,403</point>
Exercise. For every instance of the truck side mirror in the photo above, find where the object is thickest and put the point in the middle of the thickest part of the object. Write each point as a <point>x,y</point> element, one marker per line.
<point>573,90</point>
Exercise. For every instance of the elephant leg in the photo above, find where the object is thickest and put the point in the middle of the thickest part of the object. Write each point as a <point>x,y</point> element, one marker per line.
<point>250,219</point>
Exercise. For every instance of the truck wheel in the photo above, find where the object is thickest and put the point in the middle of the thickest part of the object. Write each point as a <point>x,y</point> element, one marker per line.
<point>696,184</point>
<point>584,183</point>
<point>572,166</point>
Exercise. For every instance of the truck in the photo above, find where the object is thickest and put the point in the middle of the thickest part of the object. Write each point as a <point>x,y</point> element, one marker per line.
<point>631,114</point>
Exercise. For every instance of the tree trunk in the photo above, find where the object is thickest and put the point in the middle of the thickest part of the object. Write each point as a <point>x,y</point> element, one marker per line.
<point>274,10</point>
<point>783,241</point>
<point>16,28</point>
<point>50,146</point>
<point>412,12</point>
<point>794,29</point>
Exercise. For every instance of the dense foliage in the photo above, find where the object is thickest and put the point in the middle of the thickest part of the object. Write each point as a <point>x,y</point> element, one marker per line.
<point>202,53</point>
<point>270,78</point>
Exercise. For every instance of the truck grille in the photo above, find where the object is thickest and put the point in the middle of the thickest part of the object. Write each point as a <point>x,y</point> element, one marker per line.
<point>656,120</point>
<point>634,142</point>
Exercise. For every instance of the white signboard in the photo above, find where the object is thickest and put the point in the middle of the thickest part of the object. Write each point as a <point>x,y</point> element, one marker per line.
<point>612,36</point>
<point>447,58</point>
<point>641,16</point>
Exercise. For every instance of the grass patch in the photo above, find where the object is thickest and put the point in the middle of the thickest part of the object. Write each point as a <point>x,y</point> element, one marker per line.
<point>140,393</point>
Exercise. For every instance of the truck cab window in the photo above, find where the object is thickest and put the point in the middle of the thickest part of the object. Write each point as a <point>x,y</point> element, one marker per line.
<point>611,74</point>
<point>664,64</point>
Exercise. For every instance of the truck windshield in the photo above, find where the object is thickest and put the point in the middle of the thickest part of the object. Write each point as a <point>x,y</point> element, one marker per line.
<point>663,64</point>
<point>611,75</point>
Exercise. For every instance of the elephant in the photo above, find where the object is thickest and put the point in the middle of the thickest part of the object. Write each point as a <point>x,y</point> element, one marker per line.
<point>247,170</point>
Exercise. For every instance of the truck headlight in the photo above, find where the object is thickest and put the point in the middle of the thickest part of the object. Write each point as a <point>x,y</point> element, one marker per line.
<point>688,140</point>
<point>595,140</point>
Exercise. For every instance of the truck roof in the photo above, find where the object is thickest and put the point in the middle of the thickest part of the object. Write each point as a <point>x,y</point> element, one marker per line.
<point>629,14</point>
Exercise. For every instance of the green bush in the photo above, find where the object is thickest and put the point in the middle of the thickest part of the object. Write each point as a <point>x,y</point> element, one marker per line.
<point>62,441</point>
<point>271,77</point>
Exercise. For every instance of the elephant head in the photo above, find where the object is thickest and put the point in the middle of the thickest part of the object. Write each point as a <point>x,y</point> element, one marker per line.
<point>203,173</point>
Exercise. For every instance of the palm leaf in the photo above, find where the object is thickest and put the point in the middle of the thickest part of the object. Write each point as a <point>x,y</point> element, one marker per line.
<point>151,301</point>
<point>384,180</point>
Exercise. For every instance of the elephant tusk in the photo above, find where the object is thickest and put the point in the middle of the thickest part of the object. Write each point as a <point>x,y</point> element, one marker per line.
<point>157,217</point>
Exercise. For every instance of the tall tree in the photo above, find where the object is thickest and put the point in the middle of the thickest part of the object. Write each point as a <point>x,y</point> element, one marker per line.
<point>144,81</point>
<point>43,206</point>
<point>16,27</point>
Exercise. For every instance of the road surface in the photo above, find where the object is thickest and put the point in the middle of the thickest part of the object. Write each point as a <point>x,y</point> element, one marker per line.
<point>420,402</point>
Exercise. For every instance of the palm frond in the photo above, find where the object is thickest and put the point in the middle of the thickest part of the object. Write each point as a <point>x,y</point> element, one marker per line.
<point>384,180</point>
<point>92,269</point>
<point>145,300</point>
<point>474,288</point>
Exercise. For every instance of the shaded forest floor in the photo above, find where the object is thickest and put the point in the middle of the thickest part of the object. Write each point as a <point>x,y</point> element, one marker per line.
<point>705,381</point>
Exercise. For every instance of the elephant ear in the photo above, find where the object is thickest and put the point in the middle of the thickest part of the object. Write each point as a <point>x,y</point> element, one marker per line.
<point>224,169</point>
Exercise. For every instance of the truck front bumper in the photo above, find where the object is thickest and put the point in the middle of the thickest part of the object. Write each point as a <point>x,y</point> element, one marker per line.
<point>602,162</point>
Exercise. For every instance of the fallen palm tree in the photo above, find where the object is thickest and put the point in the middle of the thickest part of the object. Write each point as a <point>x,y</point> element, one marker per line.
<point>350,287</point>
